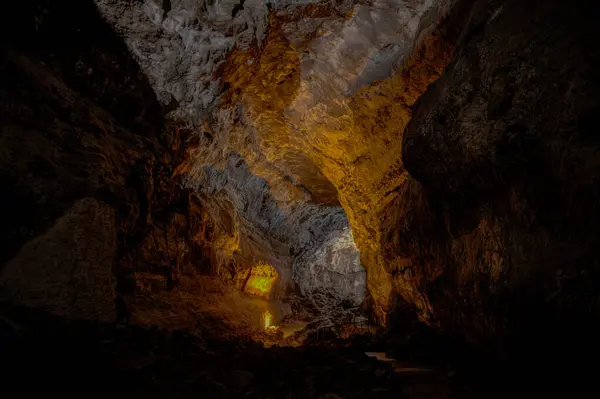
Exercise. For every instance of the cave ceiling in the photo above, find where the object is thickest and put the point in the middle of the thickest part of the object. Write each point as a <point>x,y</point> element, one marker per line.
<point>435,157</point>
<point>299,109</point>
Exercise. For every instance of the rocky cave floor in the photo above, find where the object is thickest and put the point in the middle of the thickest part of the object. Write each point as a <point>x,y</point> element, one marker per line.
<point>67,357</point>
<point>45,354</point>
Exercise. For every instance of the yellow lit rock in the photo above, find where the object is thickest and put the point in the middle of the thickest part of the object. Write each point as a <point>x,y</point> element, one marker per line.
<point>351,143</point>
<point>261,280</point>
<point>268,321</point>
<point>303,116</point>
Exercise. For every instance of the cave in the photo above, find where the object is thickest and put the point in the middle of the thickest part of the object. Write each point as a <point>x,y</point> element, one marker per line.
<point>300,199</point>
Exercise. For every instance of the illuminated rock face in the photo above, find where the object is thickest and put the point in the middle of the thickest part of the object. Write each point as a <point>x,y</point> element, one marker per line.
<point>333,266</point>
<point>300,113</point>
<point>304,108</point>
<point>180,44</point>
<point>319,140</point>
<point>310,99</point>
<point>295,237</point>
<point>261,279</point>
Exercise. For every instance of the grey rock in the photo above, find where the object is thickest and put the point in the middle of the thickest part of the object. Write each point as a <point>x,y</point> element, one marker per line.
<point>308,244</point>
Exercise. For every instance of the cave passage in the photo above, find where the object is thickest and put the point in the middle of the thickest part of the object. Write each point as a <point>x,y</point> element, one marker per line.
<point>320,199</point>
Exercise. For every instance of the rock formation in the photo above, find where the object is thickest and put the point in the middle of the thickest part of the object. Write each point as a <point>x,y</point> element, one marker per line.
<point>301,114</point>
<point>76,120</point>
<point>503,152</point>
<point>433,159</point>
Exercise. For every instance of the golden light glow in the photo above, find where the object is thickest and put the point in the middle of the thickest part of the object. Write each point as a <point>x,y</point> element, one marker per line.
<point>261,280</point>
<point>262,284</point>
<point>268,321</point>
<point>355,145</point>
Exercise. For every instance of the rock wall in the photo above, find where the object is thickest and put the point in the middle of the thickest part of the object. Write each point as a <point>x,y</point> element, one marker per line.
<point>310,97</point>
<point>83,122</point>
<point>300,102</point>
<point>479,217</point>
<point>78,121</point>
<point>68,270</point>
<point>318,110</point>
<point>182,44</point>
<point>188,50</point>
<point>299,239</point>
<point>495,239</point>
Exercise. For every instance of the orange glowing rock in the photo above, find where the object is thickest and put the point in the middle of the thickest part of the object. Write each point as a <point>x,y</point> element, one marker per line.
<point>347,151</point>
<point>261,280</point>
<point>268,321</point>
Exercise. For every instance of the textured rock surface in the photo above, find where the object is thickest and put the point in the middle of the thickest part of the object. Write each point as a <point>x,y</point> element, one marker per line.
<point>499,240</point>
<point>98,133</point>
<point>335,265</point>
<point>308,123</point>
<point>298,239</point>
<point>313,111</point>
<point>68,270</point>
<point>181,44</point>
<point>78,120</point>
<point>293,117</point>
<point>310,97</point>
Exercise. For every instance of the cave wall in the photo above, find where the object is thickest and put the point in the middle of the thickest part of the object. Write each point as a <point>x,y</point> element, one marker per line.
<point>495,236</point>
<point>309,244</point>
<point>310,96</point>
<point>68,269</point>
<point>78,120</point>
<point>82,125</point>
<point>479,217</point>
<point>198,57</point>
<point>451,217</point>
<point>182,44</point>
<point>330,88</point>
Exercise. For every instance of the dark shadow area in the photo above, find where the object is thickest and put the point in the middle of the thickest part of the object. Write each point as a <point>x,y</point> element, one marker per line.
<point>55,356</point>
<point>82,50</point>
<point>504,201</point>
<point>76,115</point>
